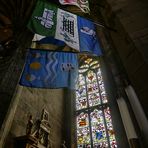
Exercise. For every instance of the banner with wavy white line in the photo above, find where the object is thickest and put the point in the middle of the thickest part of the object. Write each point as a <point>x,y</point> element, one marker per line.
<point>45,69</point>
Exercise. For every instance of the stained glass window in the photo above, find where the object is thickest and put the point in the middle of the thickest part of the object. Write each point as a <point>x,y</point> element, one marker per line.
<point>94,123</point>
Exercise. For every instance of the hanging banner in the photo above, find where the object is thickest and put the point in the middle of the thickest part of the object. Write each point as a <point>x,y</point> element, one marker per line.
<point>45,69</point>
<point>77,32</point>
<point>82,4</point>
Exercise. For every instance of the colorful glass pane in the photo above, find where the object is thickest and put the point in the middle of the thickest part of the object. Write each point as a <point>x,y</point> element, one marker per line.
<point>88,60</point>
<point>111,132</point>
<point>81,103</point>
<point>83,132</point>
<point>94,65</point>
<point>83,68</point>
<point>94,99</point>
<point>98,129</point>
<point>92,87</point>
<point>104,97</point>
<point>101,86</point>
<point>91,77</point>
<point>81,100</point>
<point>81,80</point>
<point>91,95</point>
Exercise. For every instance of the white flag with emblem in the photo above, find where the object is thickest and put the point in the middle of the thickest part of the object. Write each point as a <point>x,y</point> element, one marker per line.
<point>66,29</point>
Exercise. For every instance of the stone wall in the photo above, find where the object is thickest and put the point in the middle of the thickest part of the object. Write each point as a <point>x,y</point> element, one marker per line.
<point>14,16</point>
<point>130,40</point>
<point>32,101</point>
<point>132,15</point>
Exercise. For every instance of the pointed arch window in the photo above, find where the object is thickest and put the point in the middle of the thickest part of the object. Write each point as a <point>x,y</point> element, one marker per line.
<point>93,117</point>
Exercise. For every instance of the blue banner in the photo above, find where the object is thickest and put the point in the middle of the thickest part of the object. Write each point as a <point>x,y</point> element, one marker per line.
<point>87,37</point>
<point>45,69</point>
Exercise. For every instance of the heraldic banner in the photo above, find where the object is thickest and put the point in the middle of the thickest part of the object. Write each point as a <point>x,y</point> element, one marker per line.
<point>77,32</point>
<point>82,4</point>
<point>45,69</point>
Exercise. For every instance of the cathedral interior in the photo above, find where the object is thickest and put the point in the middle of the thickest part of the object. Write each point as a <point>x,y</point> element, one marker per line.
<point>122,28</point>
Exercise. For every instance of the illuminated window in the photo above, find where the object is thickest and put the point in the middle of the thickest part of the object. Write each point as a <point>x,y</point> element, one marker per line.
<point>94,123</point>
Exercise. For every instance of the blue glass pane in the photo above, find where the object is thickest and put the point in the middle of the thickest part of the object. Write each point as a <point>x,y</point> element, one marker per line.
<point>98,129</point>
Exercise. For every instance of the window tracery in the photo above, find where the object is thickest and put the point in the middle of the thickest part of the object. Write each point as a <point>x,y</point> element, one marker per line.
<point>94,123</point>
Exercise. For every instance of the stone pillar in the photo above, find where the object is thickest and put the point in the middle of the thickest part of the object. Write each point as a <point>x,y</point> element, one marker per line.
<point>138,111</point>
<point>128,124</point>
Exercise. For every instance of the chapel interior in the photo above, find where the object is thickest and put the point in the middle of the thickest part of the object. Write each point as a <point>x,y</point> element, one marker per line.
<point>122,29</point>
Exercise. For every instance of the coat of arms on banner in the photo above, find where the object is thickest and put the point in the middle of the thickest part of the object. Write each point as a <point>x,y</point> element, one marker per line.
<point>47,18</point>
<point>67,30</point>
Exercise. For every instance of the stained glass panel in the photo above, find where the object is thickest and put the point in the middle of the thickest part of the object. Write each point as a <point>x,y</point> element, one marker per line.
<point>91,77</point>
<point>83,132</point>
<point>81,100</point>
<point>92,89</point>
<point>94,99</point>
<point>88,60</point>
<point>83,68</point>
<point>94,65</point>
<point>110,130</point>
<point>101,85</point>
<point>98,129</point>
<point>81,103</point>
<point>94,127</point>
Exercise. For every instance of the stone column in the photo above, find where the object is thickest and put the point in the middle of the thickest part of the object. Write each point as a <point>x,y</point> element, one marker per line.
<point>138,111</point>
<point>128,124</point>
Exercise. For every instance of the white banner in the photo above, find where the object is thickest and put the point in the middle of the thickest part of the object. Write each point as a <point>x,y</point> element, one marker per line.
<point>67,28</point>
